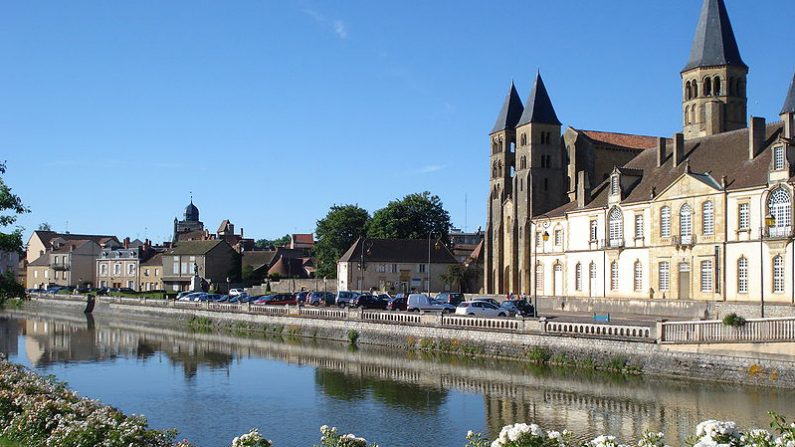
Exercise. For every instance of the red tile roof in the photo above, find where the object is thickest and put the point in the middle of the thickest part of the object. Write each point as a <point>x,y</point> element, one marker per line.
<point>304,238</point>
<point>621,139</point>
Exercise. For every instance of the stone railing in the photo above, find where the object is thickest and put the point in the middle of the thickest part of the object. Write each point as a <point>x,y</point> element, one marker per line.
<point>320,312</point>
<point>601,330</point>
<point>715,331</point>
<point>392,317</point>
<point>277,311</point>
<point>501,324</point>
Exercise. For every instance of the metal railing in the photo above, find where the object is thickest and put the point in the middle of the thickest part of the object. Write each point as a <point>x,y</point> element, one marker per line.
<point>783,232</point>
<point>715,331</point>
<point>684,241</point>
<point>61,266</point>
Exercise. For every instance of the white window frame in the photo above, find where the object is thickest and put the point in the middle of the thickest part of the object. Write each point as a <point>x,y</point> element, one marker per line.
<point>744,216</point>
<point>637,276</point>
<point>778,274</point>
<point>665,221</point>
<point>614,275</point>
<point>639,226</point>
<point>708,218</point>
<point>578,276</point>
<point>778,158</point>
<point>707,279</point>
<point>616,227</point>
<point>594,228</point>
<point>558,237</point>
<point>664,276</point>
<point>742,275</point>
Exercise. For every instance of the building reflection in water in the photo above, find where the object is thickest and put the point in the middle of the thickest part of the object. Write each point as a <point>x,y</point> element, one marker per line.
<point>585,402</point>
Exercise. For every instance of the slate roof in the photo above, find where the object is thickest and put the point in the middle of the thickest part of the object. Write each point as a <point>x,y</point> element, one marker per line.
<point>398,251</point>
<point>195,247</point>
<point>538,108</point>
<point>511,111</point>
<point>67,247</point>
<point>289,268</point>
<point>47,236</point>
<point>789,103</point>
<point>714,42</point>
<point>154,261</point>
<point>41,261</point>
<point>259,258</point>
<point>709,160</point>
<point>624,140</point>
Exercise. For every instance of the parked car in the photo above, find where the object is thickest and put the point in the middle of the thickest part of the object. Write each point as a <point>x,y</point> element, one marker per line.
<point>520,307</point>
<point>300,297</point>
<point>321,299</point>
<point>367,301</point>
<point>344,298</point>
<point>192,296</point>
<point>488,300</point>
<point>480,309</point>
<point>278,299</point>
<point>236,292</point>
<point>420,301</point>
<point>397,303</point>
<point>453,298</point>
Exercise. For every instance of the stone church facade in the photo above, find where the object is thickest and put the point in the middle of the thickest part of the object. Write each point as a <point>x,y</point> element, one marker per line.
<point>704,214</point>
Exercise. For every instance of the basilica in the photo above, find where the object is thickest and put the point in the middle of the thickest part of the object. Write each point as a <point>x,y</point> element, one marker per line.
<point>705,214</point>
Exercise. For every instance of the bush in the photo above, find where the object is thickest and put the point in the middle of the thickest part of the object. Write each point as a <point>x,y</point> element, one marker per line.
<point>733,320</point>
<point>353,335</point>
<point>538,354</point>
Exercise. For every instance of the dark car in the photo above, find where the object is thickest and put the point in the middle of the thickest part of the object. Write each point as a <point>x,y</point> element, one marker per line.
<point>397,303</point>
<point>453,298</point>
<point>321,299</point>
<point>524,308</point>
<point>278,299</point>
<point>300,297</point>
<point>367,301</point>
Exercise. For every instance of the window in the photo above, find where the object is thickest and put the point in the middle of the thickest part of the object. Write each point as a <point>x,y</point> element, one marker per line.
<point>778,274</point>
<point>708,216</point>
<point>523,140</point>
<point>638,276</point>
<point>614,275</point>
<point>578,276</point>
<point>394,268</point>
<point>130,269</point>
<point>558,237</point>
<point>103,269</point>
<point>638,226</point>
<point>117,268</point>
<point>538,238</point>
<point>706,276</point>
<point>131,284</point>
<point>540,278</point>
<point>46,274</point>
<point>665,222</point>
<point>744,216</point>
<point>523,161</point>
<point>685,221</point>
<point>422,268</point>
<point>176,265</point>
<point>593,271</point>
<point>185,269</point>
<point>157,272</point>
<point>742,275</point>
<point>35,273</point>
<point>780,209</point>
<point>664,273</point>
<point>381,268</point>
<point>614,187</point>
<point>594,231</point>
<point>616,227</point>
<point>778,158</point>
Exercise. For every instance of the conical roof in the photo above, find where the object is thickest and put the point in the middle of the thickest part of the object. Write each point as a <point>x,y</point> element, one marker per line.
<point>539,107</point>
<point>714,43</point>
<point>511,111</point>
<point>789,103</point>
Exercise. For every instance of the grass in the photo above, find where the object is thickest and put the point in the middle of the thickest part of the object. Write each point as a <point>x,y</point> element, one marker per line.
<point>7,443</point>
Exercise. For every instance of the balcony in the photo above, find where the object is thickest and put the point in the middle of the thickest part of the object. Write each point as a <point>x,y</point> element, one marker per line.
<point>61,266</point>
<point>784,232</point>
<point>684,240</point>
<point>613,243</point>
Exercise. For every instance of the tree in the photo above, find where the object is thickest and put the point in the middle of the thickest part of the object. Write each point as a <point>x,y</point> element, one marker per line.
<point>412,217</point>
<point>459,276</point>
<point>10,208</point>
<point>275,243</point>
<point>336,233</point>
<point>45,226</point>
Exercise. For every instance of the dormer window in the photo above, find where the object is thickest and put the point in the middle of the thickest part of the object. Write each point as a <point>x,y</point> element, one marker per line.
<point>778,158</point>
<point>614,185</point>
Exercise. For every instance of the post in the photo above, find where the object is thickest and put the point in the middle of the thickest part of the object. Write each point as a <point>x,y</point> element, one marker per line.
<point>428,286</point>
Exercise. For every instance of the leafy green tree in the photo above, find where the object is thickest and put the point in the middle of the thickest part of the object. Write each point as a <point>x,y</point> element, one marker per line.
<point>336,233</point>
<point>10,208</point>
<point>412,217</point>
<point>459,276</point>
<point>275,243</point>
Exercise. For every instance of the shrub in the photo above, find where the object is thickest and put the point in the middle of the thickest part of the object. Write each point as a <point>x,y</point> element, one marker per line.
<point>733,320</point>
<point>426,344</point>
<point>538,354</point>
<point>353,335</point>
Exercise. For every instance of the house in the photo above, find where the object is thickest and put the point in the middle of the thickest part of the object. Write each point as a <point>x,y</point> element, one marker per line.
<point>121,266</point>
<point>395,265</point>
<point>67,262</point>
<point>214,261</point>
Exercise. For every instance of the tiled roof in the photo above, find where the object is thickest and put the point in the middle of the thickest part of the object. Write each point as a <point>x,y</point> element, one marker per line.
<point>195,247</point>
<point>538,108</point>
<point>154,261</point>
<point>289,268</point>
<point>47,236</point>
<point>304,238</point>
<point>621,139</point>
<point>399,251</point>
<point>511,111</point>
<point>259,258</point>
<point>714,42</point>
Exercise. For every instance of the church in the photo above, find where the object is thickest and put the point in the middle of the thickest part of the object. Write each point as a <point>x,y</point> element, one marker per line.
<point>704,214</point>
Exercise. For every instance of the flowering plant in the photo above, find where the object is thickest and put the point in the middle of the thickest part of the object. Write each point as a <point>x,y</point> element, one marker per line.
<point>251,439</point>
<point>330,437</point>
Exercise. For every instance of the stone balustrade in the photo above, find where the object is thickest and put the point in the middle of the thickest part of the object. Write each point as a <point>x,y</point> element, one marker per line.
<point>603,330</point>
<point>715,331</point>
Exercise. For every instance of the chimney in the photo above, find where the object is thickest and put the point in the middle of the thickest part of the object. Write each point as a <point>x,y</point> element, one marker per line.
<point>679,148</point>
<point>661,142</point>
<point>583,189</point>
<point>241,232</point>
<point>756,137</point>
<point>126,242</point>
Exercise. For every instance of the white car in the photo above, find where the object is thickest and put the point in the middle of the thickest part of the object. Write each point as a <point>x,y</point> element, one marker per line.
<point>480,309</point>
<point>236,292</point>
<point>422,302</point>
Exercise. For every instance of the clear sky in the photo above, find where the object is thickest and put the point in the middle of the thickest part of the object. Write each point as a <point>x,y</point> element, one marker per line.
<point>272,111</point>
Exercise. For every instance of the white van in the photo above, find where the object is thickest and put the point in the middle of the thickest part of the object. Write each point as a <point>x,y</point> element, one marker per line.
<point>421,301</point>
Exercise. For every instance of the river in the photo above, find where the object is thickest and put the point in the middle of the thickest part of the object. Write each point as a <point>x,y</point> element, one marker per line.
<point>213,387</point>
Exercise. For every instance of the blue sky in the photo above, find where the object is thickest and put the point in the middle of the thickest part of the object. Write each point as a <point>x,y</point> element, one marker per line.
<point>272,111</point>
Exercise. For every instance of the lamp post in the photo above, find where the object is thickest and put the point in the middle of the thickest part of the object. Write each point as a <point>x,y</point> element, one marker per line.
<point>436,246</point>
<point>362,265</point>
<point>769,221</point>
<point>544,237</point>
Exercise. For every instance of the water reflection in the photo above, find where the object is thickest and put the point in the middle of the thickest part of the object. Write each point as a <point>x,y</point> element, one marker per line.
<point>431,390</point>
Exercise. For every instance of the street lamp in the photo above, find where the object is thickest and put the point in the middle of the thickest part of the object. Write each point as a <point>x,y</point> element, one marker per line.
<point>545,237</point>
<point>362,265</point>
<point>435,246</point>
<point>769,221</point>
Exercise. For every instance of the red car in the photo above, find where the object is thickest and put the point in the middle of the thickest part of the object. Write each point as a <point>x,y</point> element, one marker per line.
<point>397,303</point>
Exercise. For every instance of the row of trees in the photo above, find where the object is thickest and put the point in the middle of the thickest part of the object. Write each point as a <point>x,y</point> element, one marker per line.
<point>11,241</point>
<point>415,216</point>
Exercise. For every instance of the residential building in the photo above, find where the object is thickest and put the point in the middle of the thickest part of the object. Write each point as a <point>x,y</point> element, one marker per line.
<point>395,265</point>
<point>214,261</point>
<point>9,262</point>
<point>40,241</point>
<point>121,266</point>
<point>67,262</point>
<point>152,273</point>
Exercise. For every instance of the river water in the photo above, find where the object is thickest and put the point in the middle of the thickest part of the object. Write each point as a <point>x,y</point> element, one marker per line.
<point>213,387</point>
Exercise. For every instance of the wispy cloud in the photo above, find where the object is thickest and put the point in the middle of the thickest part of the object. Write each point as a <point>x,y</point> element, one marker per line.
<point>336,26</point>
<point>429,169</point>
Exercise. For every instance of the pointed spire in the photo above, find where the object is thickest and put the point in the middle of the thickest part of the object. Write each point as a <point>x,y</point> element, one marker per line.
<point>511,111</point>
<point>539,107</point>
<point>714,43</point>
<point>789,103</point>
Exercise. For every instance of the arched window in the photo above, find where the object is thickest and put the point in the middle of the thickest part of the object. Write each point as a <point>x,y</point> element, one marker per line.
<point>688,91</point>
<point>614,275</point>
<point>708,216</point>
<point>592,269</point>
<point>616,231</point>
<point>523,139</point>
<point>494,170</point>
<point>780,208</point>
<point>578,276</point>
<point>693,115</point>
<point>695,89</point>
<point>665,221</point>
<point>716,85</point>
<point>687,114</point>
<point>742,275</point>
<point>523,162</point>
<point>778,274</point>
<point>638,276</point>
<point>685,221</point>
<point>708,87</point>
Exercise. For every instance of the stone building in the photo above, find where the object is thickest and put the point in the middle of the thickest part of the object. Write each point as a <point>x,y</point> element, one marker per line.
<point>64,259</point>
<point>704,215</point>
<point>215,262</point>
<point>190,227</point>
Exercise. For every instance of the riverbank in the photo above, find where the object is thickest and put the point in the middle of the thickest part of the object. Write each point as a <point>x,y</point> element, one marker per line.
<point>764,364</point>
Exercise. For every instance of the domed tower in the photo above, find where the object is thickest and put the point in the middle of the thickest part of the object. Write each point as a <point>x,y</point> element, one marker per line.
<point>714,79</point>
<point>190,228</point>
<point>191,212</point>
